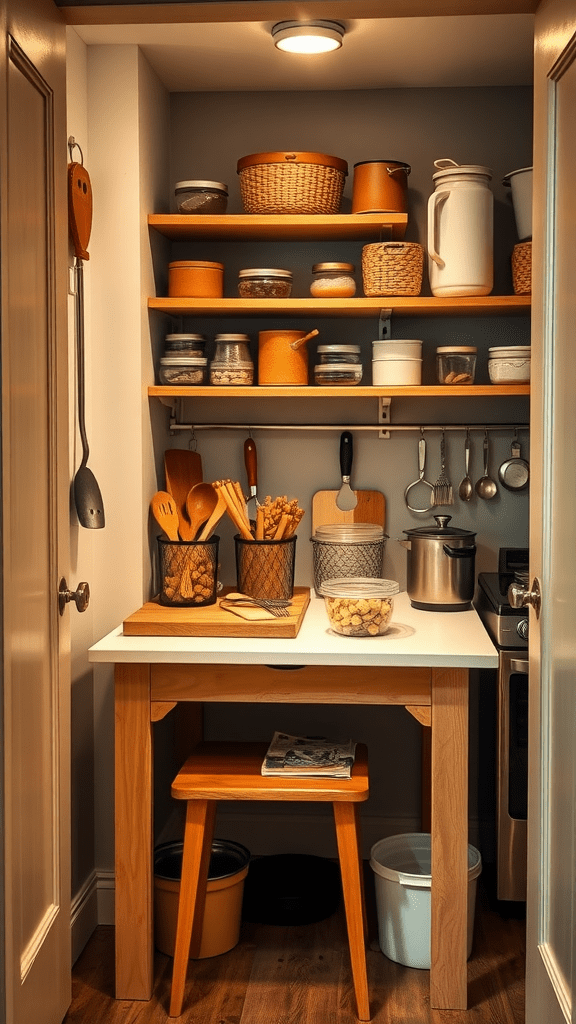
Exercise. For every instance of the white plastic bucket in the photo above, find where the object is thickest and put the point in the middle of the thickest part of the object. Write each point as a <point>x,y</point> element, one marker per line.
<point>401,866</point>
<point>520,182</point>
<point>397,370</point>
<point>394,347</point>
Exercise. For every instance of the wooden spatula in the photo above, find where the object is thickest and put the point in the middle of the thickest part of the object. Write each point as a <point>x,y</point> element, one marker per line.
<point>183,470</point>
<point>164,512</point>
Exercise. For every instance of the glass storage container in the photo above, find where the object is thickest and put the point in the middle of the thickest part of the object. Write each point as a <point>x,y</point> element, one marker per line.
<point>337,374</point>
<point>201,196</point>
<point>338,353</point>
<point>184,345</point>
<point>232,362</point>
<point>456,364</point>
<point>179,370</point>
<point>264,283</point>
<point>333,280</point>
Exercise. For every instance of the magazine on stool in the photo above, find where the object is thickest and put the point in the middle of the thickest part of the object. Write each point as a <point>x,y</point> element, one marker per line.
<point>309,756</point>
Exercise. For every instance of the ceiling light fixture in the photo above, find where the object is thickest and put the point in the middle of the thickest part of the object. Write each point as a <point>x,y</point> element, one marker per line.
<point>308,36</point>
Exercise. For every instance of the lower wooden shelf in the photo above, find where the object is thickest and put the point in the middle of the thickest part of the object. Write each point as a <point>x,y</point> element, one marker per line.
<point>354,392</point>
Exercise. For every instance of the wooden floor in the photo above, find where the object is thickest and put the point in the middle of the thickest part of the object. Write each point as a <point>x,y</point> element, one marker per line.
<point>301,975</point>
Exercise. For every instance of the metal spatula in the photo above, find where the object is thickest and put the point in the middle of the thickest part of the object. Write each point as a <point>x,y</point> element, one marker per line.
<point>346,500</point>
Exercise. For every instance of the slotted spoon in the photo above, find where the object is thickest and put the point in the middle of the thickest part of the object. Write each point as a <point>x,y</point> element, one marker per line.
<point>165,513</point>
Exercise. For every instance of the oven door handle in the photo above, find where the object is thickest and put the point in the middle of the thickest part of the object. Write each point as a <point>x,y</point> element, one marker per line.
<point>519,665</point>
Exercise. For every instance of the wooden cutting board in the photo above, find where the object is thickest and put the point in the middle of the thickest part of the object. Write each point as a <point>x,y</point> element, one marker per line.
<point>371,508</point>
<point>155,619</point>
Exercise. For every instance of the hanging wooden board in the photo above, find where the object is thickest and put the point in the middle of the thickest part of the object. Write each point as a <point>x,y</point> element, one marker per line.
<point>371,508</point>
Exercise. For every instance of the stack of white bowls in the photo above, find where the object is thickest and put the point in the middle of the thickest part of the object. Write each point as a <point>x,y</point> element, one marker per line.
<point>396,362</point>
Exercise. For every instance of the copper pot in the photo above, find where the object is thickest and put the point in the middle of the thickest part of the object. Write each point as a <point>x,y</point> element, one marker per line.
<point>380,186</point>
<point>283,357</point>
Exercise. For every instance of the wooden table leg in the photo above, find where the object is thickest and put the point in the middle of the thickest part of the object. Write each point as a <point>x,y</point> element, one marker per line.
<point>448,976</point>
<point>133,832</point>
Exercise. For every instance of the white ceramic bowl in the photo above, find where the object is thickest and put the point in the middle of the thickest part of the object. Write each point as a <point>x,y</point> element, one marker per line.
<point>509,365</point>
<point>397,370</point>
<point>393,347</point>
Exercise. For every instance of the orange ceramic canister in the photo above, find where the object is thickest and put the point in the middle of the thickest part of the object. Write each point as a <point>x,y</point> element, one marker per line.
<point>195,279</point>
<point>380,186</point>
<point>278,362</point>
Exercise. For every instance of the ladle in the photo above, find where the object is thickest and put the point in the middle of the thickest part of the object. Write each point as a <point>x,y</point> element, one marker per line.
<point>466,488</point>
<point>485,486</point>
<point>200,504</point>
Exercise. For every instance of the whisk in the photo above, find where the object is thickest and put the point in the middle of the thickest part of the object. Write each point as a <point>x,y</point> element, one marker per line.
<point>443,494</point>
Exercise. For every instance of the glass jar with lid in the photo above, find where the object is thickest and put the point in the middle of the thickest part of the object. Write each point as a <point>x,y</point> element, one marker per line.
<point>333,280</point>
<point>232,362</point>
<point>177,370</point>
<point>456,364</point>
<point>184,344</point>
<point>201,196</point>
<point>338,354</point>
<point>264,283</point>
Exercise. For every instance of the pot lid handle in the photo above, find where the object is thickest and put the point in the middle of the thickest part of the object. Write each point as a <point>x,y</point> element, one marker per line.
<point>442,521</point>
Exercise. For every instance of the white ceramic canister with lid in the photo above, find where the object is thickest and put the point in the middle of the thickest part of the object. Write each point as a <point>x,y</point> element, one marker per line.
<point>461,230</point>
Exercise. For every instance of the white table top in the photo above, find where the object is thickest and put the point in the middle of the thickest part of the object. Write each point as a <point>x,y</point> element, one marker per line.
<point>415,638</point>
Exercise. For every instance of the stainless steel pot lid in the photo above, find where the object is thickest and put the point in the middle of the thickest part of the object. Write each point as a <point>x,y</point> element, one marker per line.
<point>440,530</point>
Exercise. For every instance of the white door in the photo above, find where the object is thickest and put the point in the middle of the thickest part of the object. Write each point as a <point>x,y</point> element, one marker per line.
<point>35,513</point>
<point>551,919</point>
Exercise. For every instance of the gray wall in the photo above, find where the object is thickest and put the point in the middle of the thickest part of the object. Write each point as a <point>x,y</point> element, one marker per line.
<point>493,127</point>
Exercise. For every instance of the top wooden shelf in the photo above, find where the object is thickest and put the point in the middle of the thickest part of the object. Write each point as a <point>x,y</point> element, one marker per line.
<point>241,227</point>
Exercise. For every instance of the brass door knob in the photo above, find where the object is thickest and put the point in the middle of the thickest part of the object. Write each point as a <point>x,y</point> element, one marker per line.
<point>80,596</point>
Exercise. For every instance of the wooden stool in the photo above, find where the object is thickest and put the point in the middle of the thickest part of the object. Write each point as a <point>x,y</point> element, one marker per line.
<point>232,771</point>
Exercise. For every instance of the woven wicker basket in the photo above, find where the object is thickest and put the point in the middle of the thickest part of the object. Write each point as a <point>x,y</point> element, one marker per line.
<point>522,268</point>
<point>392,268</point>
<point>291,182</point>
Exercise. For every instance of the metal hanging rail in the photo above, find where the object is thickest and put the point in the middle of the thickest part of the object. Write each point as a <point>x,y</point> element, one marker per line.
<point>387,428</point>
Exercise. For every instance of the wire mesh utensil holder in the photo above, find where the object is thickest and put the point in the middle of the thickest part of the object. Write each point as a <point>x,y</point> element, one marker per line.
<point>338,560</point>
<point>188,572</point>
<point>265,568</point>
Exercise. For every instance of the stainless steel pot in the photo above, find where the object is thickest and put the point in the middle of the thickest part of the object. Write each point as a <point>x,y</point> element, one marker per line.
<point>441,562</point>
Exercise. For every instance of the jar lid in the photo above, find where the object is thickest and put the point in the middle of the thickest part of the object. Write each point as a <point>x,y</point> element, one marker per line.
<point>184,186</point>
<point>333,368</point>
<point>185,337</point>
<point>264,272</point>
<point>347,268</point>
<point>196,263</point>
<point>396,359</point>
<point>292,158</point>
<point>514,349</point>
<point>183,361</point>
<point>232,337</point>
<point>338,348</point>
<point>238,364</point>
<point>359,586</point>
<point>458,349</point>
<point>349,533</point>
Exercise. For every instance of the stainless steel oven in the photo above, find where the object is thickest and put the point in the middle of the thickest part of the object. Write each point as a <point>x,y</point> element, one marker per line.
<point>508,628</point>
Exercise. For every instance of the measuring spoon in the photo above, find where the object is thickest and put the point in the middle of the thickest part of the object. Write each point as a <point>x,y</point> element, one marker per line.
<point>485,486</point>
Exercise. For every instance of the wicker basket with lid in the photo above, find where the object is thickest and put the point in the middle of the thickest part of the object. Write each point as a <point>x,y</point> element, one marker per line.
<point>291,182</point>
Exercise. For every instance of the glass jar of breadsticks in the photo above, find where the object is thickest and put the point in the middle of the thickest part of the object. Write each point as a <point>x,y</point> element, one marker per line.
<point>265,552</point>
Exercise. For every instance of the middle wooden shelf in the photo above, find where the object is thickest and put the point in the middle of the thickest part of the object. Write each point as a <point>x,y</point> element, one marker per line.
<point>421,305</point>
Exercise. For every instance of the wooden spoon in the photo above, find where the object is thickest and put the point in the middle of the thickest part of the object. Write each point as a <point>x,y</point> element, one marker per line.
<point>165,513</point>
<point>214,519</point>
<point>200,504</point>
<point>183,469</point>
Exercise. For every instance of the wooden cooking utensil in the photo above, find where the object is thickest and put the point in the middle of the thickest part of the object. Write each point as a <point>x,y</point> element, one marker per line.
<point>214,519</point>
<point>200,504</point>
<point>183,469</point>
<point>164,512</point>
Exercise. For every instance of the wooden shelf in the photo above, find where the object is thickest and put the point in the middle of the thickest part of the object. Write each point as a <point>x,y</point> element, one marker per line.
<point>421,305</point>
<point>355,392</point>
<point>241,227</point>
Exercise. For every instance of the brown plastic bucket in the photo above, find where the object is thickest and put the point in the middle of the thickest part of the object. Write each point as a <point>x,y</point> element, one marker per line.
<point>224,892</point>
<point>380,186</point>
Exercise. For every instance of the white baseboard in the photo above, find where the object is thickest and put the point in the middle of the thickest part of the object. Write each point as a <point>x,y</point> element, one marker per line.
<point>84,914</point>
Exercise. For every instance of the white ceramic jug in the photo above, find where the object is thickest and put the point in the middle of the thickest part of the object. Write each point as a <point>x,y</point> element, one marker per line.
<point>461,230</point>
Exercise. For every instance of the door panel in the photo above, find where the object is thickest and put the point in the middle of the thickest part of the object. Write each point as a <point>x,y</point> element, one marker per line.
<point>552,743</point>
<point>35,523</point>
